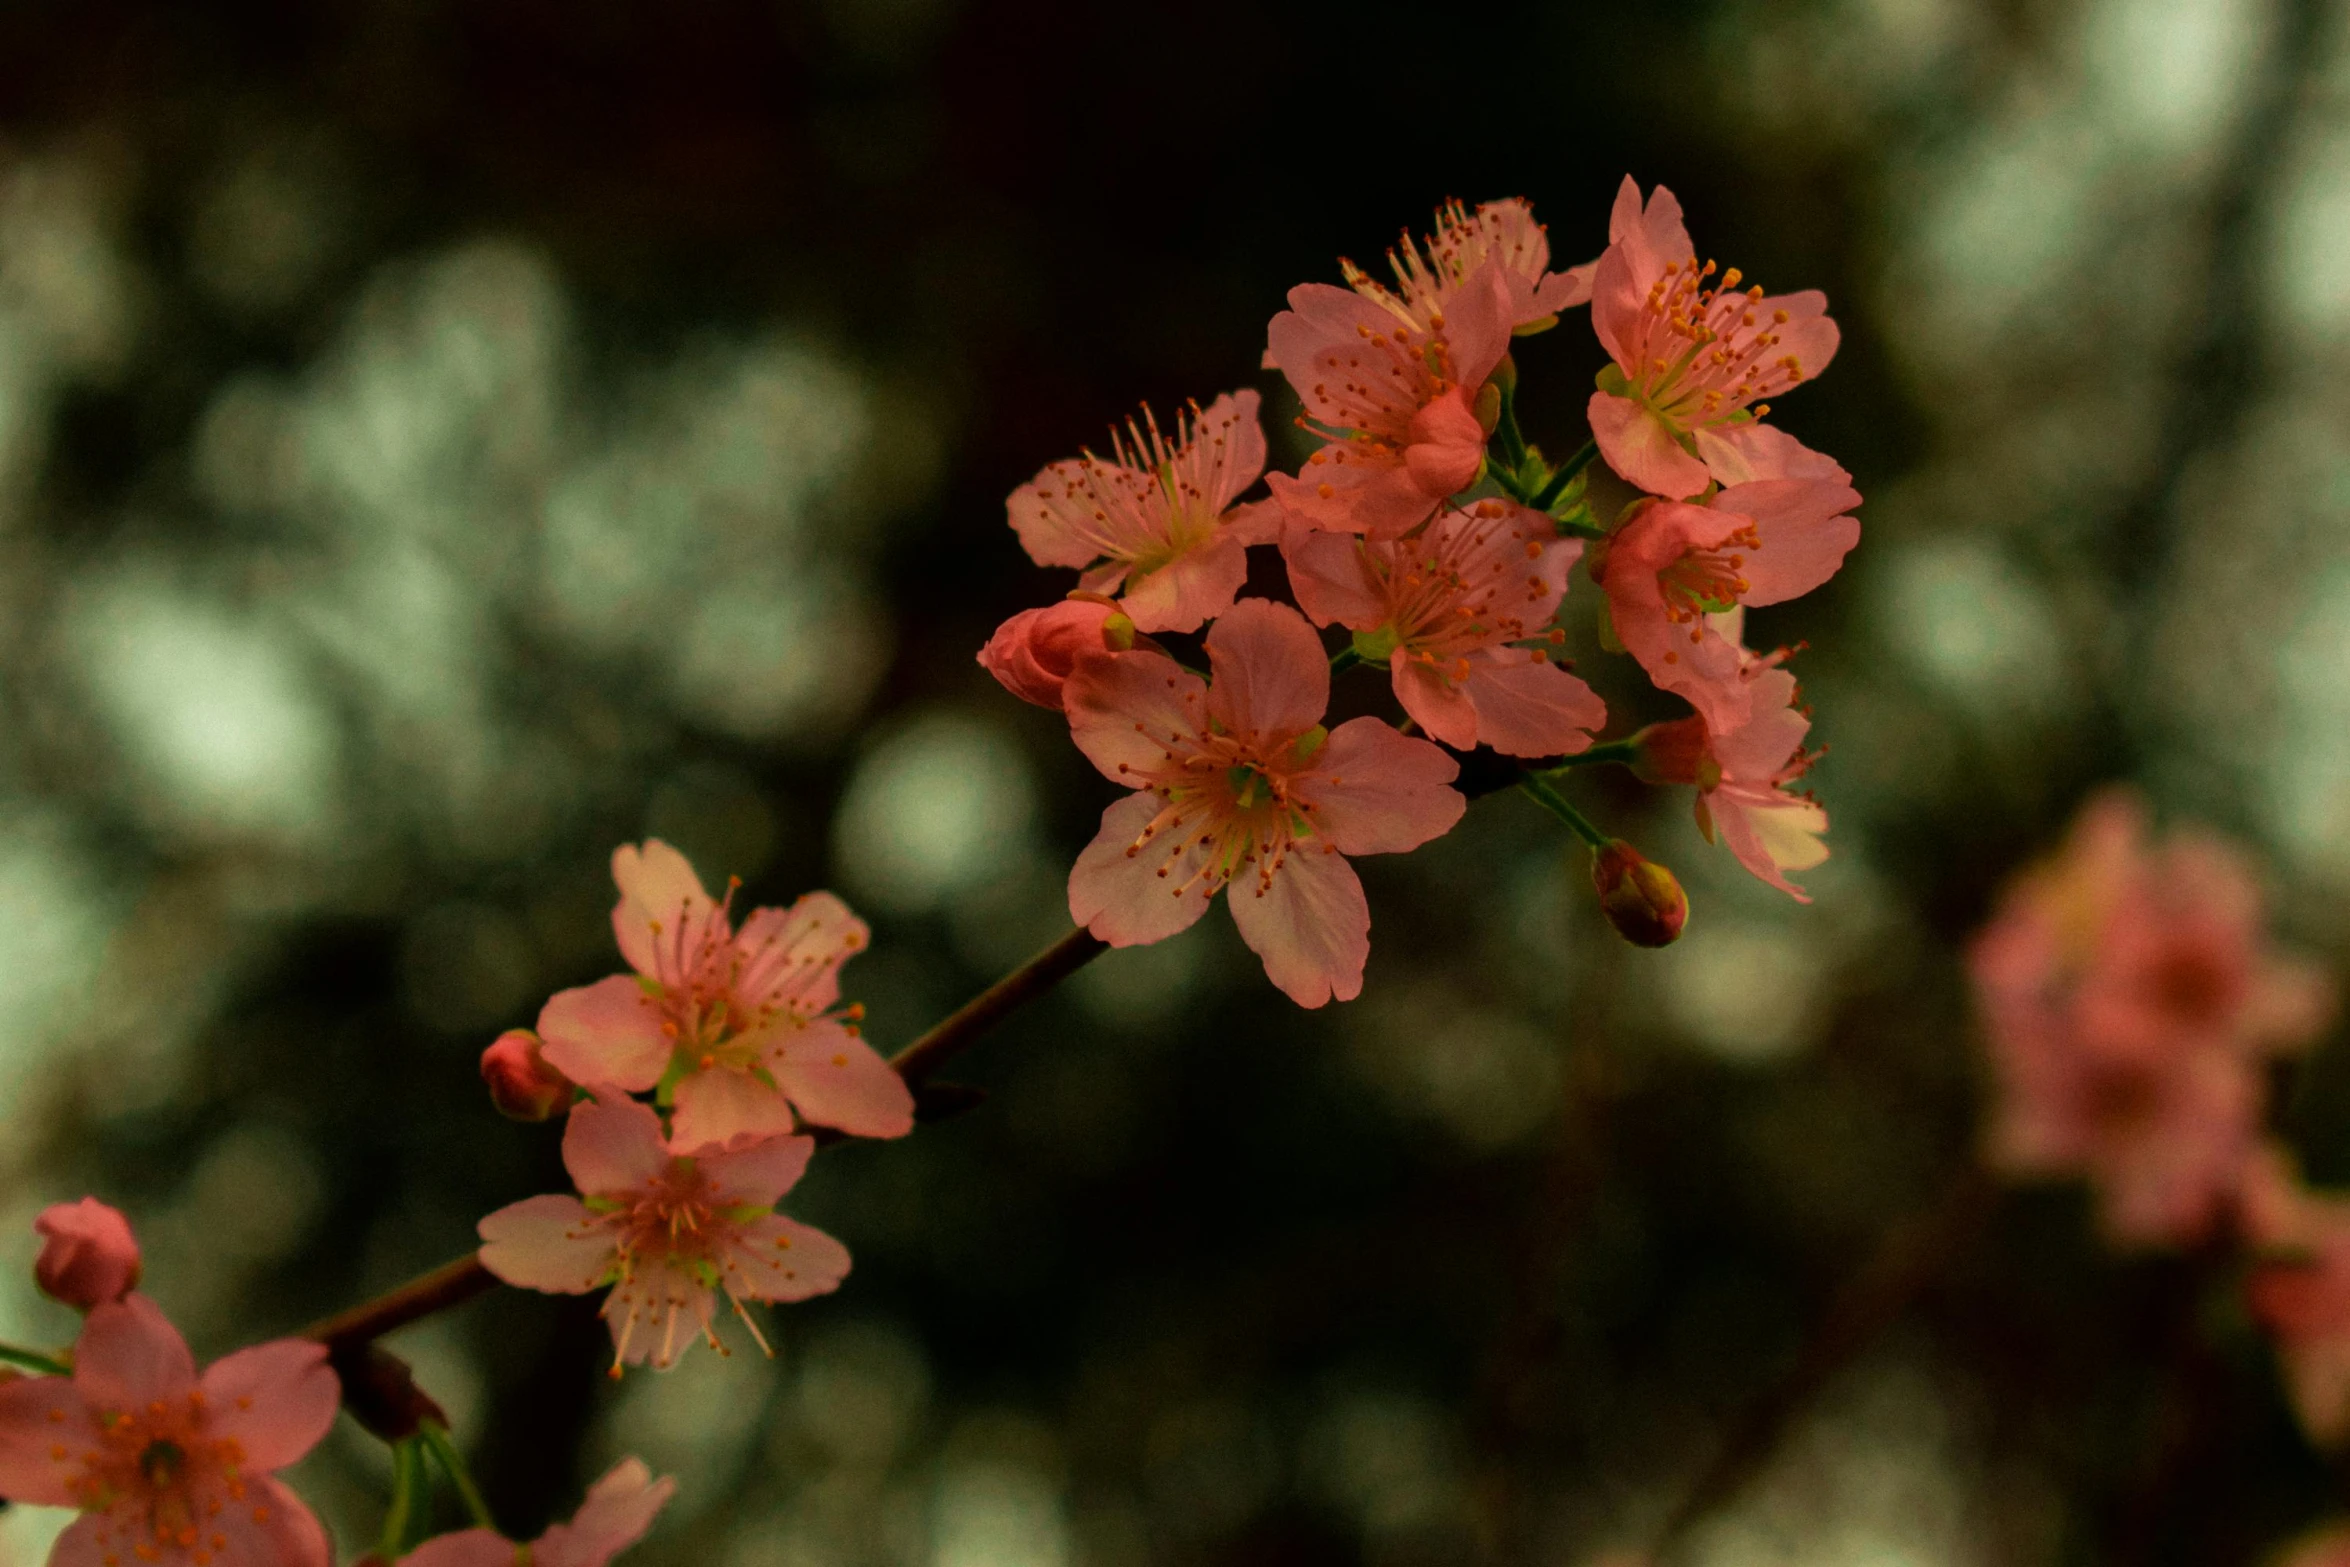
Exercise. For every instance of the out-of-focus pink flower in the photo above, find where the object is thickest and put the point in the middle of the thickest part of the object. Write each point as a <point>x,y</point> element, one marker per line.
<point>618,1510</point>
<point>2130,996</point>
<point>1451,611</point>
<point>1693,359</point>
<point>2327,1547</point>
<point>1156,519</point>
<point>2299,1288</point>
<point>669,1233</point>
<point>1641,899</point>
<point>1745,778</point>
<point>165,1466</point>
<point>88,1255</point>
<point>739,1028</point>
<point>521,1083</point>
<point>1033,652</point>
<point>1430,274</point>
<point>1238,782</point>
<point>1391,395</point>
<point>1674,568</point>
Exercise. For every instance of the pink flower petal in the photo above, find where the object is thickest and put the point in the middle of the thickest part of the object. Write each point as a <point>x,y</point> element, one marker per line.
<point>781,1259</point>
<point>1229,454</point>
<point>1124,712</point>
<point>276,1400</point>
<point>759,1175</point>
<point>1188,591</point>
<point>551,1243</point>
<point>613,1145</point>
<point>726,1107</point>
<point>618,1511</point>
<point>1803,538</point>
<point>657,1313</point>
<point>1377,792</point>
<point>1641,450</point>
<point>1808,336</point>
<point>468,1548</point>
<point>606,1035</point>
<point>1526,708</point>
<point>130,1356</point>
<point>1437,705</point>
<point>1477,327</point>
<point>1117,891</point>
<point>1760,749</point>
<point>1742,453</point>
<point>37,1416</point>
<point>1312,925</point>
<point>1332,578</point>
<point>1054,513</point>
<point>1270,676</point>
<point>836,1079</point>
<point>792,957</point>
<point>1770,833</point>
<point>1348,495</point>
<point>658,888</point>
<point>1447,446</point>
<point>274,1527</point>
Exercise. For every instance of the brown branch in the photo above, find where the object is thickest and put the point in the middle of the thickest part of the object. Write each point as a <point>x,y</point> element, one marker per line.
<point>454,1283</point>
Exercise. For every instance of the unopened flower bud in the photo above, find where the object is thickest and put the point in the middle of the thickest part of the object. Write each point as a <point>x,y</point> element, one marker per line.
<point>522,1085</point>
<point>1032,653</point>
<point>1640,898</point>
<point>88,1255</point>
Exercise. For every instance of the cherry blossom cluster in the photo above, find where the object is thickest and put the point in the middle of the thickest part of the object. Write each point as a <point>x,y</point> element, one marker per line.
<point>2133,1003</point>
<point>1426,528</point>
<point>171,1467</point>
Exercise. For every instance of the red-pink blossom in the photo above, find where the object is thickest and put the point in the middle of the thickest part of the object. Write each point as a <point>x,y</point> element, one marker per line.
<point>1156,520</point>
<point>1238,782</point>
<point>1033,652</point>
<point>2131,998</point>
<point>1680,407</point>
<point>521,1083</point>
<point>1745,777</point>
<point>88,1254</point>
<point>1674,570</point>
<point>1430,273</point>
<point>1460,613</point>
<point>165,1466</point>
<point>668,1232</point>
<point>618,1510</point>
<point>2299,1288</point>
<point>738,1029</point>
<point>2327,1547</point>
<point>1392,396</point>
<point>1641,899</point>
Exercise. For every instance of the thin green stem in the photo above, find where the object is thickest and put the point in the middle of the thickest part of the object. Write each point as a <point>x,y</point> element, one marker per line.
<point>1570,468</point>
<point>1558,805</point>
<point>1345,659</point>
<point>410,1487</point>
<point>33,1361</point>
<point>436,1441</point>
<point>1624,751</point>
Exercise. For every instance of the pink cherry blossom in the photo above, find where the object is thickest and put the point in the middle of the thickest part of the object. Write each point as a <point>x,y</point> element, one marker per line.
<point>2131,998</point>
<point>2328,1547</point>
<point>738,1028</point>
<point>1238,782</point>
<point>1694,358</point>
<point>618,1510</point>
<point>88,1254</point>
<point>1430,274</point>
<point>2299,1288</point>
<point>1673,570</point>
<point>1156,519</point>
<point>669,1233</point>
<point>1391,395</point>
<point>1745,778</point>
<point>1033,652</point>
<point>168,1467</point>
<point>521,1083</point>
<point>1452,611</point>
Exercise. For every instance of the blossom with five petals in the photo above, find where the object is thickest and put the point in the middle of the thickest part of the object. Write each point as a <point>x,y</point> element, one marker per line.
<point>1744,777</point>
<point>1239,783</point>
<point>1392,397</point>
<point>618,1510</point>
<point>737,1028</point>
<point>1430,273</point>
<point>2299,1288</point>
<point>1681,405</point>
<point>1673,571</point>
<point>667,1232</point>
<point>1450,610</point>
<point>2131,999</point>
<point>1156,520</point>
<point>168,1467</point>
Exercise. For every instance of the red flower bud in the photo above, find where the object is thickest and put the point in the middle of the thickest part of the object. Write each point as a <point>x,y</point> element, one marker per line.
<point>88,1255</point>
<point>522,1085</point>
<point>1640,898</point>
<point>1034,651</point>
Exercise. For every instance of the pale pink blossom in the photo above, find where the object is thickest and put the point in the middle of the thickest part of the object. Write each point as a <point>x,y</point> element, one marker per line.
<point>738,1029</point>
<point>2299,1288</point>
<point>1674,571</point>
<point>1430,273</point>
<point>1156,520</point>
<point>1460,613</point>
<point>1239,783</point>
<point>1745,778</point>
<point>88,1254</point>
<point>1694,357</point>
<point>669,1233</point>
<point>1392,396</point>
<point>168,1467</point>
<point>2131,999</point>
<point>618,1510</point>
<point>1033,652</point>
